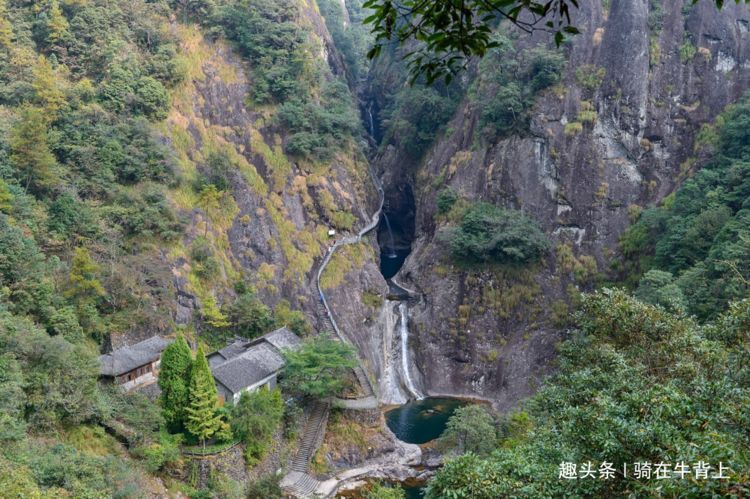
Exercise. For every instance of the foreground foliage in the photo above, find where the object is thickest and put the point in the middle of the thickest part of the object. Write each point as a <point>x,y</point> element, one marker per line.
<point>636,384</point>
<point>255,418</point>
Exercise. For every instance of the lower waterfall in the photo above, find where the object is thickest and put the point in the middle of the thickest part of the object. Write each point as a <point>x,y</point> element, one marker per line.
<point>403,309</point>
<point>391,391</point>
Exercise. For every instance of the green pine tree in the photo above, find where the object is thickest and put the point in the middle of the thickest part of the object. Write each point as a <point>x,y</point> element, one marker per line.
<point>6,29</point>
<point>174,380</point>
<point>203,418</point>
<point>29,148</point>
<point>57,25</point>
<point>6,198</point>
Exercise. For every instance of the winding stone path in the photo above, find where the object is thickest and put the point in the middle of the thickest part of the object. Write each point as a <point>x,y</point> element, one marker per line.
<point>298,482</point>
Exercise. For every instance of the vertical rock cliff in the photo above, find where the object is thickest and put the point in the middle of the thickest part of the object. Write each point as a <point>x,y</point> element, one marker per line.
<point>616,134</point>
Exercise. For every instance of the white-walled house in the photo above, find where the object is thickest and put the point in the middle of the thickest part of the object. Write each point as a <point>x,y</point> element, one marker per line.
<point>246,365</point>
<point>134,365</point>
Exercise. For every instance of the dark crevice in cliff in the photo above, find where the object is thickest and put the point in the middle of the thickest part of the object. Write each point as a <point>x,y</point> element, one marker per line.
<point>396,229</point>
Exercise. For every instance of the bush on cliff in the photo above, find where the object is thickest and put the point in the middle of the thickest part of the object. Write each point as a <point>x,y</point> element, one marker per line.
<point>488,233</point>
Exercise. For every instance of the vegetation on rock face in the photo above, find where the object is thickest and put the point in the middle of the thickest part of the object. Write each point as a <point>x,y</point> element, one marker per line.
<point>415,116</point>
<point>319,368</point>
<point>488,233</point>
<point>508,83</point>
<point>450,34</point>
<point>266,32</point>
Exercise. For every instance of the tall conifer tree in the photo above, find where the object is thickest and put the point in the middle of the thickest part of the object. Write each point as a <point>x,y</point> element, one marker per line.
<point>174,380</point>
<point>203,419</point>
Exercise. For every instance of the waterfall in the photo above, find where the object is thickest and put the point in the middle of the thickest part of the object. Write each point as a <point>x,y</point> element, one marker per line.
<point>403,309</point>
<point>392,248</point>
<point>391,391</point>
<point>371,121</point>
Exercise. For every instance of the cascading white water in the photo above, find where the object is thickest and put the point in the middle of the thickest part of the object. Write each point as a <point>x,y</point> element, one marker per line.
<point>391,253</point>
<point>404,311</point>
<point>391,391</point>
<point>371,121</point>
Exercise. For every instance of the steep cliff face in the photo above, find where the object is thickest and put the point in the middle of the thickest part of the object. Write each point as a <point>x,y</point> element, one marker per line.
<point>271,225</point>
<point>652,73</point>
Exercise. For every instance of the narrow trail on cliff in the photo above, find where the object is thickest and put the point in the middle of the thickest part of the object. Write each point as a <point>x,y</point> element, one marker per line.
<point>298,481</point>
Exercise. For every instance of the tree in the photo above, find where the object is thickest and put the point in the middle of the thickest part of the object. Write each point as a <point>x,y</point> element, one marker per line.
<point>319,368</point>
<point>152,98</point>
<point>254,419</point>
<point>57,25</point>
<point>84,285</point>
<point>29,148</point>
<point>174,380</point>
<point>250,317</point>
<point>469,476</point>
<point>6,198</point>
<point>6,29</point>
<point>208,201</point>
<point>451,33</point>
<point>658,288</point>
<point>12,399</point>
<point>202,413</point>
<point>470,429</point>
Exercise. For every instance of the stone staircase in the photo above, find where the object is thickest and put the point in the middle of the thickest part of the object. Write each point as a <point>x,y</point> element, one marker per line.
<point>363,381</point>
<point>326,320</point>
<point>299,484</point>
<point>312,436</point>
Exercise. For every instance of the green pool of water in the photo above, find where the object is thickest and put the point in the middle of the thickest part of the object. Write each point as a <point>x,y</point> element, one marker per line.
<point>412,491</point>
<point>420,421</point>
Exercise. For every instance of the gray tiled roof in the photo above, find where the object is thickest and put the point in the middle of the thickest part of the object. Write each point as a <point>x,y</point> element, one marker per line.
<point>126,359</point>
<point>256,363</point>
<point>233,349</point>
<point>283,338</point>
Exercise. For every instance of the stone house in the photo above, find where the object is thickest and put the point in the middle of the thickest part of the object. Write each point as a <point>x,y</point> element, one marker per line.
<point>247,365</point>
<point>134,365</point>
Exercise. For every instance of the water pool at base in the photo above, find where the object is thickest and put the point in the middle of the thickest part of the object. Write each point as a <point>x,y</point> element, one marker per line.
<point>391,261</point>
<point>420,421</point>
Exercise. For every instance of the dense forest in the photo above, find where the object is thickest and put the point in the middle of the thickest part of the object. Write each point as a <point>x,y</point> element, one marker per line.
<point>121,200</point>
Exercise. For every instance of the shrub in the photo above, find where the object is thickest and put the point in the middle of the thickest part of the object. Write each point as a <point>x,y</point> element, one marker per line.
<point>687,51</point>
<point>205,264</point>
<point>265,487</point>
<point>446,198</point>
<point>158,454</point>
<point>413,119</point>
<point>254,419</point>
<point>573,128</point>
<point>249,317</point>
<point>589,77</point>
<point>488,233</point>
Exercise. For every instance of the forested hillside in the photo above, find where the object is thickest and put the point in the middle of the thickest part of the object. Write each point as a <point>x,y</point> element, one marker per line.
<point>147,186</point>
<point>567,227</point>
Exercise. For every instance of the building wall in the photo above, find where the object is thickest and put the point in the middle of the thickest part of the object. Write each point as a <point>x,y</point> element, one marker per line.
<point>269,383</point>
<point>145,374</point>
